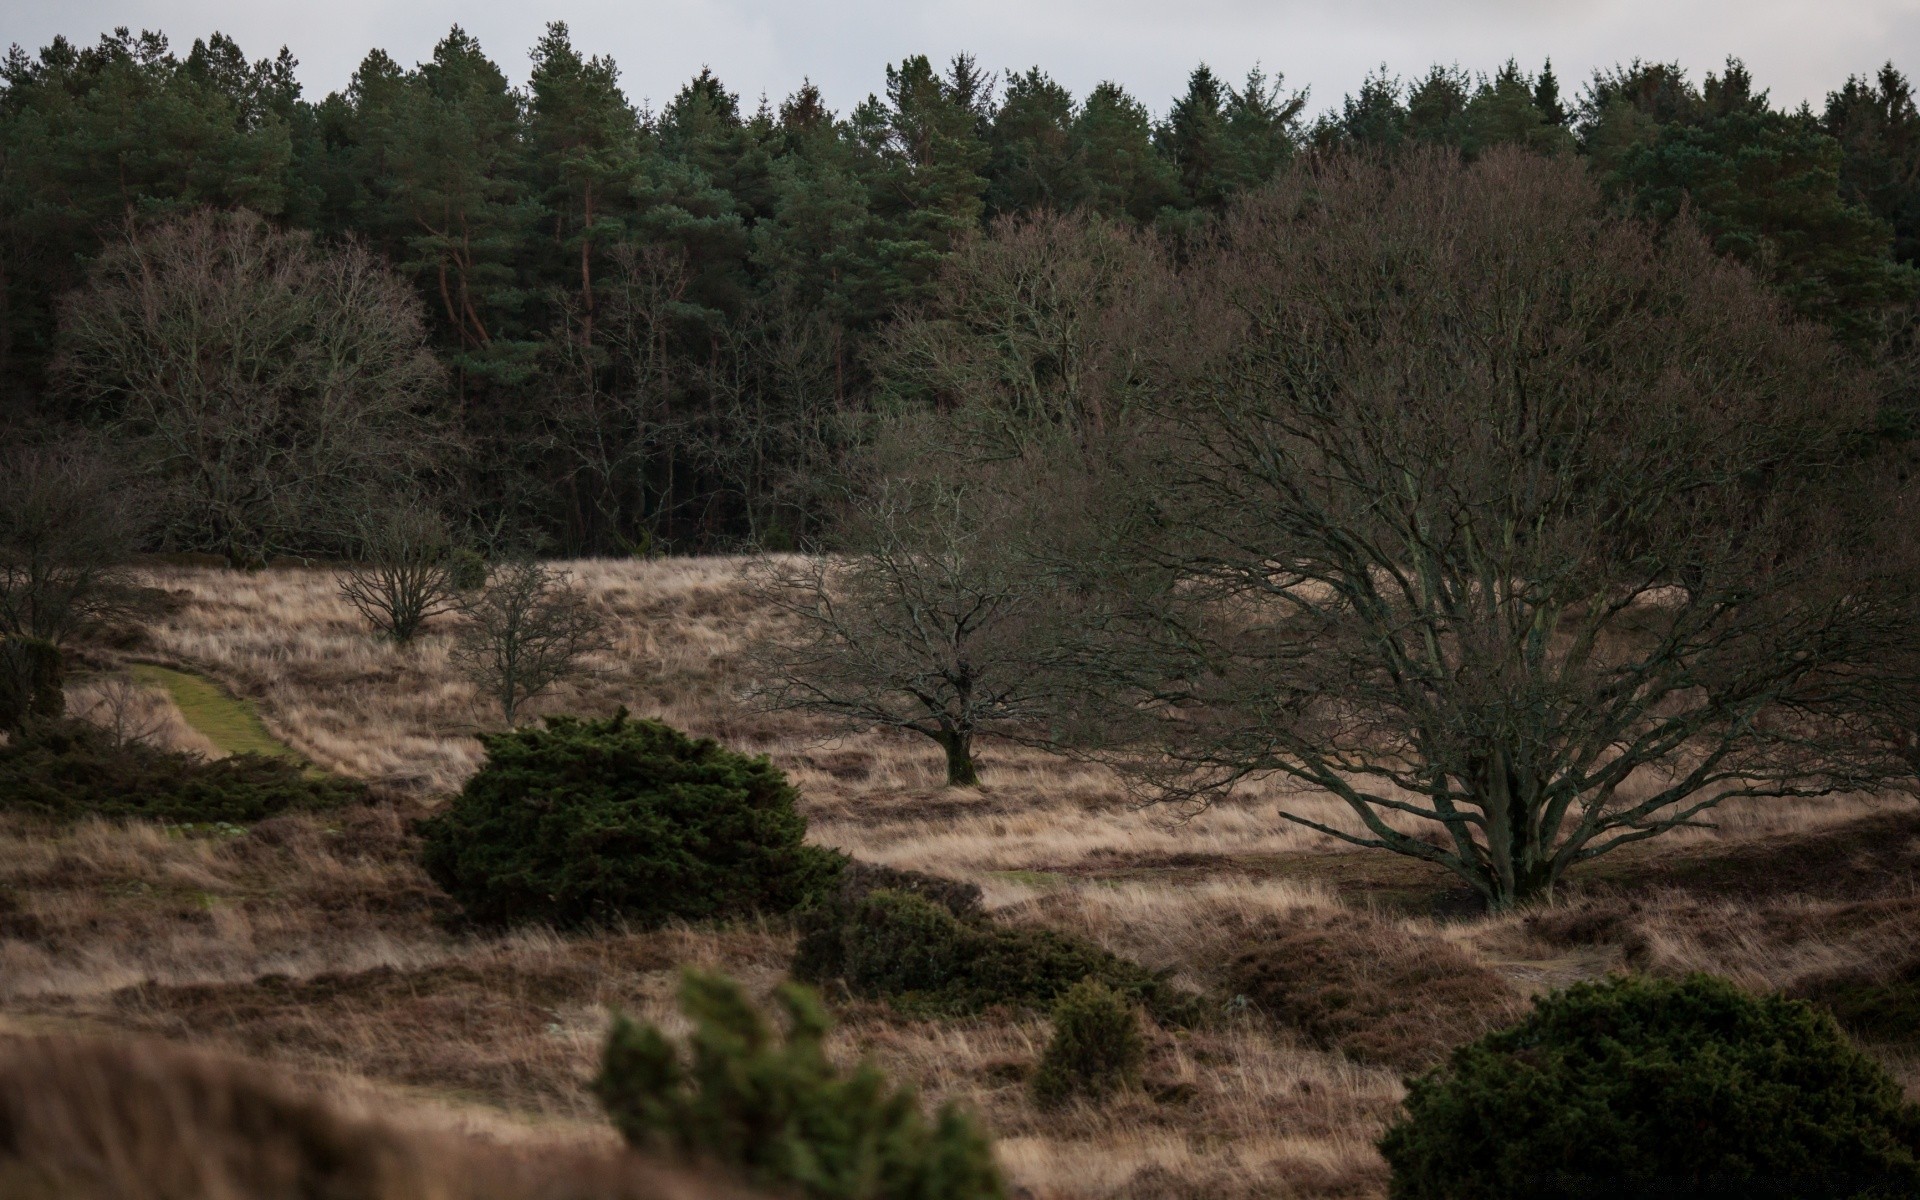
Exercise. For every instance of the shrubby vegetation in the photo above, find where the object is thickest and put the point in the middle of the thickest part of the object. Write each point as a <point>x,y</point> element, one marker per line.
<point>1096,1047</point>
<point>67,770</point>
<point>772,1106</point>
<point>1640,1084</point>
<point>620,820</point>
<point>919,953</point>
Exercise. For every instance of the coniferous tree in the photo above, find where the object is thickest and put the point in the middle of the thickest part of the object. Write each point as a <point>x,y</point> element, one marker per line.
<point>1437,107</point>
<point>1123,174</point>
<point>1765,185</point>
<point>925,155</point>
<point>1262,121</point>
<point>1031,164</point>
<point>1878,128</point>
<point>1375,119</point>
<point>1505,110</point>
<point>1194,139</point>
<point>584,145</point>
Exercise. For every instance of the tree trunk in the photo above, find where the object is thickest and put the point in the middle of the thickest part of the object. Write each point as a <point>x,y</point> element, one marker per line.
<point>959,748</point>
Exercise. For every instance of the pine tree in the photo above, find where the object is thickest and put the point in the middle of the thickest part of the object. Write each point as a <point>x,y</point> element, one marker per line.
<point>1765,186</point>
<point>1505,111</point>
<point>1194,139</point>
<point>1122,173</point>
<point>1262,125</point>
<point>1031,164</point>
<point>1375,119</point>
<point>924,157</point>
<point>585,149</point>
<point>1437,107</point>
<point>1878,128</point>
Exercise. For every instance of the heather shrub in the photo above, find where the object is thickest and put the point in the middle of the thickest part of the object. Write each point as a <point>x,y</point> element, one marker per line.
<point>774,1108</point>
<point>916,952</point>
<point>1640,1086</point>
<point>1096,1046</point>
<point>66,770</point>
<point>1369,989</point>
<point>586,822</point>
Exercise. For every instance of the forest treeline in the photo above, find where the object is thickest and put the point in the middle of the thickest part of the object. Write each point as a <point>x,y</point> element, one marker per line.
<point>660,329</point>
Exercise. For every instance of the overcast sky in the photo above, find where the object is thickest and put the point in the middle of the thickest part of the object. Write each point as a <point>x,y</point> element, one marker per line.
<point>1797,48</point>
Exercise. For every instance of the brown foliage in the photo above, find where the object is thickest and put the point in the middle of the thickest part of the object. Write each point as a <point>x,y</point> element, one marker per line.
<point>1524,531</point>
<point>1372,990</point>
<point>95,1120</point>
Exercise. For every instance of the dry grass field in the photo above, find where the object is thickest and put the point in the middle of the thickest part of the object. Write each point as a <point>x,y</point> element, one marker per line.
<point>313,941</point>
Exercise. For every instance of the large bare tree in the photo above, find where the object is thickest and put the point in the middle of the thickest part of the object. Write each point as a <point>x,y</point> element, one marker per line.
<point>1521,531</point>
<point>260,380</point>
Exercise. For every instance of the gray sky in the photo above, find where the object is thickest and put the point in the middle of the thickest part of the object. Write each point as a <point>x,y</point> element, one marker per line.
<point>1798,49</point>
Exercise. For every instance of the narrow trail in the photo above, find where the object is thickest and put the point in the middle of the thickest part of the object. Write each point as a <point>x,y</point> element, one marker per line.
<point>223,719</point>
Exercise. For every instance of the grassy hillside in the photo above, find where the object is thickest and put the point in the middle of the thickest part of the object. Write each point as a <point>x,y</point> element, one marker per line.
<point>314,941</point>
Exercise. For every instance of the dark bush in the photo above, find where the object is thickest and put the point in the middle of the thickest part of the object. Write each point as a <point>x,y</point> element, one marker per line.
<point>587,822</point>
<point>1875,1002</point>
<point>777,1110</point>
<point>67,769</point>
<point>32,682</point>
<point>1639,1086</point>
<point>899,946</point>
<point>1096,1046</point>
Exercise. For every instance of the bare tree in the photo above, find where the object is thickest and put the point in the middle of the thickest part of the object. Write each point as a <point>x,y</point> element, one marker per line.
<point>259,380</point>
<point>527,630</point>
<point>918,627</point>
<point>68,522</point>
<point>407,569</point>
<point>1522,533</point>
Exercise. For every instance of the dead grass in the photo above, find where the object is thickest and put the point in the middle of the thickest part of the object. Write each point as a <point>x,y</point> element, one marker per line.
<point>94,1120</point>
<point>314,942</point>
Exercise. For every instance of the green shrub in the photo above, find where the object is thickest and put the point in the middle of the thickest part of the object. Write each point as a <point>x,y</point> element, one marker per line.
<point>777,1110</point>
<point>588,822</point>
<point>916,952</point>
<point>1634,1086</point>
<point>67,769</point>
<point>1096,1046</point>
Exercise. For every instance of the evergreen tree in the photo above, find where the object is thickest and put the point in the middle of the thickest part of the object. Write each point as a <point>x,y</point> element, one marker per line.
<point>440,155</point>
<point>1878,128</point>
<point>1546,97</point>
<point>1031,162</point>
<point>1375,119</point>
<point>1122,173</point>
<point>1262,128</point>
<point>1506,110</point>
<point>1765,185</point>
<point>585,149</point>
<point>924,157</point>
<point>1437,107</point>
<point>1194,139</point>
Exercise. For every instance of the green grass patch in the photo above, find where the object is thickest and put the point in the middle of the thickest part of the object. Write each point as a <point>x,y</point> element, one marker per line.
<point>227,721</point>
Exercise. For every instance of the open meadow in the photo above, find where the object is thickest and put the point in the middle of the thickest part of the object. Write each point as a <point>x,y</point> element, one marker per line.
<point>316,942</point>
